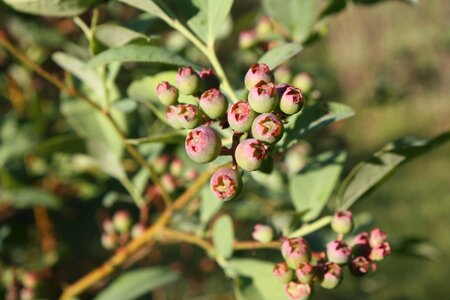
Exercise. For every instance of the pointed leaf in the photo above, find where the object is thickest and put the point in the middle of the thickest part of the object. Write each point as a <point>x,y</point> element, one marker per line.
<point>113,35</point>
<point>280,54</point>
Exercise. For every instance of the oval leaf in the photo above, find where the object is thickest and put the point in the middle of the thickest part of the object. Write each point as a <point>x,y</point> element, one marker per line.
<point>113,35</point>
<point>51,8</point>
<point>134,284</point>
<point>223,236</point>
<point>280,54</point>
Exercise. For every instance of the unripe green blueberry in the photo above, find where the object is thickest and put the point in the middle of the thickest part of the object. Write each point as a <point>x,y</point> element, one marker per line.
<point>189,116</point>
<point>262,233</point>
<point>267,128</point>
<point>208,79</point>
<point>203,144</point>
<point>342,222</point>
<point>250,154</point>
<point>226,184</point>
<point>298,291</point>
<point>282,74</point>
<point>247,39</point>
<point>258,72</point>
<point>305,272</point>
<point>188,81</point>
<point>168,182</point>
<point>283,272</point>
<point>292,101</point>
<point>109,241</point>
<point>263,97</point>
<point>338,252</point>
<point>240,116</point>
<point>332,276</point>
<point>167,93</point>
<point>122,221</point>
<point>264,26</point>
<point>295,252</point>
<point>172,116</point>
<point>176,167</point>
<point>137,230</point>
<point>161,163</point>
<point>213,103</point>
<point>304,82</point>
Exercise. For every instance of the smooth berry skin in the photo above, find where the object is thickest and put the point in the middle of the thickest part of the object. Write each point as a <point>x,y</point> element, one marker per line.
<point>226,184</point>
<point>332,276</point>
<point>189,116</point>
<point>250,154</point>
<point>295,252</point>
<point>108,241</point>
<point>258,72</point>
<point>338,252</point>
<point>263,97</point>
<point>122,221</point>
<point>342,222</point>
<point>377,237</point>
<point>305,272</point>
<point>241,116</point>
<point>262,233</point>
<point>188,81</point>
<point>203,144</point>
<point>172,116</point>
<point>304,82</point>
<point>267,128</point>
<point>213,103</point>
<point>167,93</point>
<point>282,272</point>
<point>297,291</point>
<point>292,101</point>
<point>247,39</point>
<point>380,251</point>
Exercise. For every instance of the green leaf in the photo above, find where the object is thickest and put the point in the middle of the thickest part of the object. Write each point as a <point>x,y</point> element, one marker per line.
<point>134,284</point>
<point>297,16</point>
<point>223,236</point>
<point>312,117</point>
<point>312,187</point>
<point>78,68</point>
<point>209,205</point>
<point>113,35</point>
<point>106,159</point>
<point>280,54</point>
<point>29,197</point>
<point>367,175</point>
<point>61,143</point>
<point>138,52</point>
<point>210,18</point>
<point>51,8</point>
<point>155,8</point>
<point>261,285</point>
<point>125,105</point>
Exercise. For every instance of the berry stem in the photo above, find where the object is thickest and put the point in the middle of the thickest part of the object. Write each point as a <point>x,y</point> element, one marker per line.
<point>311,227</point>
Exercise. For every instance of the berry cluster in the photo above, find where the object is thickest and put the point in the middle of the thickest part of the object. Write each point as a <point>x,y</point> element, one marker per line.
<point>26,282</point>
<point>258,120</point>
<point>302,267</point>
<point>118,230</point>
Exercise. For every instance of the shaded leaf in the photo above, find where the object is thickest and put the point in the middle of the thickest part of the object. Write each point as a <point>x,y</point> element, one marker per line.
<point>313,117</point>
<point>367,175</point>
<point>62,144</point>
<point>223,236</point>
<point>312,187</point>
<point>136,283</point>
<point>209,205</point>
<point>113,35</point>
<point>261,284</point>
<point>138,52</point>
<point>276,56</point>
<point>29,197</point>
<point>106,159</point>
<point>297,16</point>
<point>51,8</point>
<point>125,105</point>
<point>155,8</point>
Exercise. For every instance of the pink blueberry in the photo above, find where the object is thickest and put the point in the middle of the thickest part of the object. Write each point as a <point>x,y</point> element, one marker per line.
<point>203,144</point>
<point>167,93</point>
<point>250,154</point>
<point>188,81</point>
<point>283,272</point>
<point>258,72</point>
<point>226,184</point>
<point>240,116</point>
<point>213,103</point>
<point>263,97</point>
<point>295,252</point>
<point>292,101</point>
<point>267,128</point>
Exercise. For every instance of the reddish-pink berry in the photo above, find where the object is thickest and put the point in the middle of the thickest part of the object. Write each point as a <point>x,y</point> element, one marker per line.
<point>203,144</point>
<point>167,93</point>
<point>359,266</point>
<point>247,39</point>
<point>189,116</point>
<point>176,167</point>
<point>332,277</point>
<point>263,97</point>
<point>109,241</point>
<point>380,251</point>
<point>250,154</point>
<point>168,182</point>
<point>283,272</point>
<point>342,222</point>
<point>267,128</point>
<point>213,103</point>
<point>188,81</point>
<point>258,72</point>
<point>262,233</point>
<point>338,252</point>
<point>295,252</point>
<point>226,184</point>
<point>305,272</point>
<point>172,116</point>
<point>377,237</point>
<point>292,101</point>
<point>240,116</point>
<point>122,221</point>
<point>30,280</point>
<point>297,291</point>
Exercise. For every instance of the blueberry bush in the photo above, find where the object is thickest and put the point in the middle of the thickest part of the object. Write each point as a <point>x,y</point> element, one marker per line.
<point>175,149</point>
